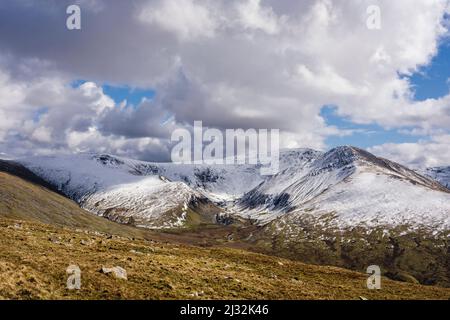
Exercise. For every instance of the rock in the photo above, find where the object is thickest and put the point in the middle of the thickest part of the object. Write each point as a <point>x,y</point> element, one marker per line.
<point>362,298</point>
<point>55,240</point>
<point>249,237</point>
<point>197,294</point>
<point>86,242</point>
<point>136,252</point>
<point>296,280</point>
<point>96,233</point>
<point>117,272</point>
<point>17,226</point>
<point>402,276</point>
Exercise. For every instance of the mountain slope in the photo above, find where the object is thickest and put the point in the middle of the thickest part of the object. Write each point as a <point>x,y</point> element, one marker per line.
<point>349,208</point>
<point>347,184</point>
<point>355,188</point>
<point>32,267</point>
<point>440,174</point>
<point>122,191</point>
<point>345,207</point>
<point>24,196</point>
<point>34,258</point>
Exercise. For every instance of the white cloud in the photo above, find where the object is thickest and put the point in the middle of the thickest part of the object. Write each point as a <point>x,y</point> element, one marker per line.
<point>254,16</point>
<point>327,79</point>
<point>42,134</point>
<point>187,19</point>
<point>230,63</point>
<point>419,155</point>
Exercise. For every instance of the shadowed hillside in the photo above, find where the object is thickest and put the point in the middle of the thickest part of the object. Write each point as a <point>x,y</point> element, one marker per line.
<point>25,196</point>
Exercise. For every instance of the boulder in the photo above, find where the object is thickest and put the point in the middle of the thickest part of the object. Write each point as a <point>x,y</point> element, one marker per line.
<point>117,272</point>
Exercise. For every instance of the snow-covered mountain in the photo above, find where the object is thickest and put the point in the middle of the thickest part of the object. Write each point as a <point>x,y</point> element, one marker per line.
<point>355,188</point>
<point>122,190</point>
<point>440,174</point>
<point>351,185</point>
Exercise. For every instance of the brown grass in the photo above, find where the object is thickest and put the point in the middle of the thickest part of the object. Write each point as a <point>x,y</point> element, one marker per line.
<point>34,258</point>
<point>20,199</point>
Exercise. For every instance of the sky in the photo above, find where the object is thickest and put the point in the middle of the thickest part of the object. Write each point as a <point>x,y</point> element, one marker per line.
<point>139,69</point>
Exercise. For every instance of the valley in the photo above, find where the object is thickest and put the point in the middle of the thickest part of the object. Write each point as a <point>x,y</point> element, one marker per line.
<point>345,208</point>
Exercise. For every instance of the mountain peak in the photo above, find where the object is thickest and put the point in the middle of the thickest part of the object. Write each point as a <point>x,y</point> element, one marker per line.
<point>440,174</point>
<point>339,157</point>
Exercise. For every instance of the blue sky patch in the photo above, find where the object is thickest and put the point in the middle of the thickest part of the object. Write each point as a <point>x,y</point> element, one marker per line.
<point>433,81</point>
<point>364,136</point>
<point>37,115</point>
<point>133,96</point>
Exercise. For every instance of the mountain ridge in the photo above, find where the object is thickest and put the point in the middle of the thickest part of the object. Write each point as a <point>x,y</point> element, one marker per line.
<point>345,207</point>
<point>342,169</point>
<point>159,195</point>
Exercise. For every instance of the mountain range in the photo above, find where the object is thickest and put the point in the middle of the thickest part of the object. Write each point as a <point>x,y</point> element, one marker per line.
<point>345,207</point>
<point>349,186</point>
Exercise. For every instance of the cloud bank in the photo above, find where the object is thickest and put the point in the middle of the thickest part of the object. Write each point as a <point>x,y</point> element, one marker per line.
<point>231,64</point>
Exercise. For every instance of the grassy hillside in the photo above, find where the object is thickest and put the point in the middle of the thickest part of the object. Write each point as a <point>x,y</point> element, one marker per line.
<point>414,255</point>
<point>34,258</point>
<point>25,200</point>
